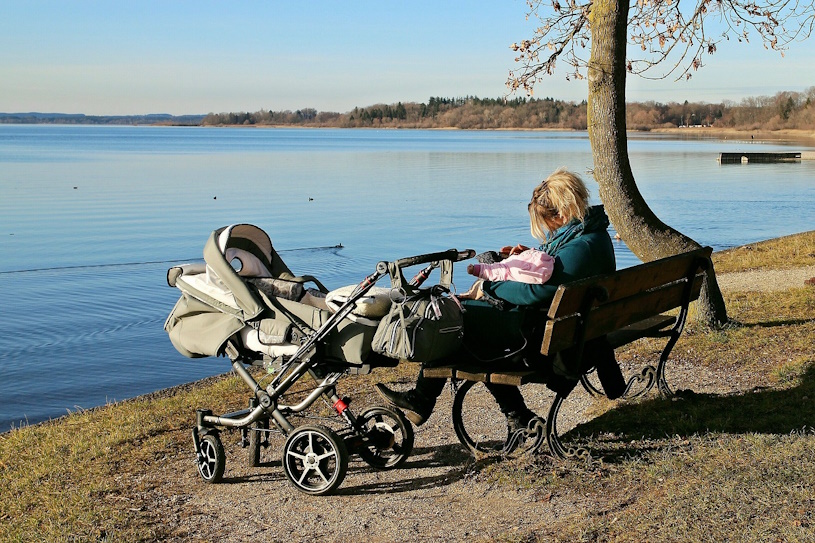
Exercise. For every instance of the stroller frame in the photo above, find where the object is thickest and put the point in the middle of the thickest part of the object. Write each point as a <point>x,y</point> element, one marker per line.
<point>315,457</point>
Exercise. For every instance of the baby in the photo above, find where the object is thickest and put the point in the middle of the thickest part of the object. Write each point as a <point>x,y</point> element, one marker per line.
<point>522,264</point>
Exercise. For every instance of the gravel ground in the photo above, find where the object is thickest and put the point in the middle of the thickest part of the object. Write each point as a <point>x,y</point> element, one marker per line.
<point>766,280</point>
<point>439,494</point>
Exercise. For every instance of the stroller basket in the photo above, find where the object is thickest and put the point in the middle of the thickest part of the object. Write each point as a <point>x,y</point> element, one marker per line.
<point>243,302</point>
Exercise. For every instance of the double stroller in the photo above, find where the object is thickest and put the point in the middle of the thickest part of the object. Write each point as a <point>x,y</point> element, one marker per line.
<point>244,303</point>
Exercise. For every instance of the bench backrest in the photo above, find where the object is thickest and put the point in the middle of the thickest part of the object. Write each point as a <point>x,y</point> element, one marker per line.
<point>593,307</point>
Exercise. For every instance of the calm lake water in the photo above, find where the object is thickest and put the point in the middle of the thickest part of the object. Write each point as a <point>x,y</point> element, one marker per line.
<point>92,217</point>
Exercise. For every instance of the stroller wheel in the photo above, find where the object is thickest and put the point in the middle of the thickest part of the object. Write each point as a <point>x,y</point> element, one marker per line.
<point>315,459</point>
<point>211,458</point>
<point>387,437</point>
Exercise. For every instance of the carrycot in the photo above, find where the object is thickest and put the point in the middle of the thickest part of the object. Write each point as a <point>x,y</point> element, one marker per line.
<point>245,290</point>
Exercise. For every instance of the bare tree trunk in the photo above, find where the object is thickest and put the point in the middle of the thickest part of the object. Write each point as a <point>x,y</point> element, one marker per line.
<point>647,236</point>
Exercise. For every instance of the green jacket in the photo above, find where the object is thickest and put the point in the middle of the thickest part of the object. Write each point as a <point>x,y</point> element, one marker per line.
<point>580,250</point>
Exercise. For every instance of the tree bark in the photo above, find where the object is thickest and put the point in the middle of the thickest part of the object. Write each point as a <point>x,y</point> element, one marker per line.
<point>641,230</point>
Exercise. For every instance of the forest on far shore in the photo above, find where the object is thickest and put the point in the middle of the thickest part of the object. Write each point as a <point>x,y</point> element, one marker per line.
<point>785,110</point>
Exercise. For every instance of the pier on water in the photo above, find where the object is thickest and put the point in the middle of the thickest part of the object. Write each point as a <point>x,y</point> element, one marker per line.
<point>750,158</point>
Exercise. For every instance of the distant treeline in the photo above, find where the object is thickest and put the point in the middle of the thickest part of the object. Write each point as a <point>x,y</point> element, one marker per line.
<point>785,110</point>
<point>78,118</point>
<point>467,113</point>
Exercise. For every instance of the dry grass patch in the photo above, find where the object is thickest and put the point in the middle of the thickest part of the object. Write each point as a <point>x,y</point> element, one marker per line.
<point>772,332</point>
<point>714,487</point>
<point>73,479</point>
<point>781,253</point>
<point>83,477</point>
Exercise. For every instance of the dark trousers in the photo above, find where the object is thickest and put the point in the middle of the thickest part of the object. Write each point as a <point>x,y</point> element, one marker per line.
<point>508,397</point>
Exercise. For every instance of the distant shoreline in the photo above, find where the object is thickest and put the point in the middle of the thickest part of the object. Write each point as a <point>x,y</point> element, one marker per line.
<point>727,133</point>
<point>693,131</point>
<point>806,137</point>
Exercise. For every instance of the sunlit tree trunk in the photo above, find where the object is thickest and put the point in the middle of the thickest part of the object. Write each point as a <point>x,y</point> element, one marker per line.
<point>647,236</point>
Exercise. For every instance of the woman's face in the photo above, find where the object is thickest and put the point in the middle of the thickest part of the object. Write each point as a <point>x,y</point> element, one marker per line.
<point>543,222</point>
<point>553,223</point>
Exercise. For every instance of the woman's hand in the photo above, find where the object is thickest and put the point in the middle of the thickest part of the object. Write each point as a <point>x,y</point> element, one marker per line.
<point>510,250</point>
<point>474,293</point>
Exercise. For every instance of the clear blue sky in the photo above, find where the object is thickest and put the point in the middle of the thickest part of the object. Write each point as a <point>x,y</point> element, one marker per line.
<point>180,57</point>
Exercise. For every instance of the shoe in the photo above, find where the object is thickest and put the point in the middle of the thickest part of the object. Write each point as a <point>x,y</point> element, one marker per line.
<point>517,429</point>
<point>519,420</point>
<point>416,410</point>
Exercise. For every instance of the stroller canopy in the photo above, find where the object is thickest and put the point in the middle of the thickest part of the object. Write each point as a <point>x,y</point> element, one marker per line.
<point>242,250</point>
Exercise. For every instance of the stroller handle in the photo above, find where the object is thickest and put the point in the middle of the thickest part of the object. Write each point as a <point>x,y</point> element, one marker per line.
<point>451,254</point>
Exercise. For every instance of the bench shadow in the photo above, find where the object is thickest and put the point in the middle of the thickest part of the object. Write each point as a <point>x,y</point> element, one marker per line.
<point>763,411</point>
<point>776,323</point>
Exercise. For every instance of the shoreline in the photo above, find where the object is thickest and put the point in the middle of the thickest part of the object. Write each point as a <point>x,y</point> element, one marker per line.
<point>160,393</point>
<point>786,134</point>
<point>694,132</point>
<point>803,136</point>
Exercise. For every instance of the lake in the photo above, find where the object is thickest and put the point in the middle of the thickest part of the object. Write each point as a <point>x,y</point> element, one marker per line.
<point>91,217</point>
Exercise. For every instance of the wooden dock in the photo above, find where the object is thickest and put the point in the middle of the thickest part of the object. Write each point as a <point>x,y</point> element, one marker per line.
<point>752,158</point>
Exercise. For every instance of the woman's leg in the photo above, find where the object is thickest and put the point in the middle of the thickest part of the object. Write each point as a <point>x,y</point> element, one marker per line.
<point>512,405</point>
<point>418,403</point>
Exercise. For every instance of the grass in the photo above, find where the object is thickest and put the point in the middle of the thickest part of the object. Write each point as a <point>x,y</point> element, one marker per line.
<point>72,479</point>
<point>780,253</point>
<point>739,466</point>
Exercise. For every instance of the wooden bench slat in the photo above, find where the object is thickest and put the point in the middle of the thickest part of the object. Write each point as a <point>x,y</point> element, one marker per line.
<point>641,329</point>
<point>467,373</point>
<point>611,316</point>
<point>626,282</point>
<point>441,372</point>
<point>473,374</point>
<point>521,377</point>
<point>617,339</point>
<point>516,378</point>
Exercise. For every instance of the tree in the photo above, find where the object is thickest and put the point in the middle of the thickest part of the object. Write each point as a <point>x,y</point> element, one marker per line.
<point>671,35</point>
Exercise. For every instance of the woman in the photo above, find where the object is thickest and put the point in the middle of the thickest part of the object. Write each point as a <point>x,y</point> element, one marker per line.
<point>576,236</point>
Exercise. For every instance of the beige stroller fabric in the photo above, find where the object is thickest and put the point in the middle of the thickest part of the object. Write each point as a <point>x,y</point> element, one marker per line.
<point>224,296</point>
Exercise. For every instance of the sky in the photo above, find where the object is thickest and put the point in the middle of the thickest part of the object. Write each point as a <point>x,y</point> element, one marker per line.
<point>196,57</point>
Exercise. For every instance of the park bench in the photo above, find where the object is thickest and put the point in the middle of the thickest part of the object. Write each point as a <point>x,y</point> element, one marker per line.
<point>630,304</point>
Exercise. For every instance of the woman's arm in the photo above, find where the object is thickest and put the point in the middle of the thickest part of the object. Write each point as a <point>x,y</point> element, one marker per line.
<point>518,293</point>
<point>580,258</point>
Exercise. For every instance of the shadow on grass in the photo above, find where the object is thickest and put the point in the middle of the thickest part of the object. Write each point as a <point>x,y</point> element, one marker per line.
<point>764,411</point>
<point>777,323</point>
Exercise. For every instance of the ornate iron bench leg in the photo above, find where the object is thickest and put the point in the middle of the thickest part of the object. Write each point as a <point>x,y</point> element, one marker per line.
<point>662,383</point>
<point>468,413</point>
<point>589,386</point>
<point>648,375</point>
<point>555,446</point>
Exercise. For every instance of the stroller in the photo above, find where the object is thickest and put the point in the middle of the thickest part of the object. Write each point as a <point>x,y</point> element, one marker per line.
<point>243,302</point>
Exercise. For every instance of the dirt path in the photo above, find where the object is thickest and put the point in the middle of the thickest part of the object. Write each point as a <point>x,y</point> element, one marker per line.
<point>440,494</point>
<point>766,280</point>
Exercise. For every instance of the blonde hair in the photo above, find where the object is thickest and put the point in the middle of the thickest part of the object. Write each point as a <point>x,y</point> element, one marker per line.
<point>561,195</point>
